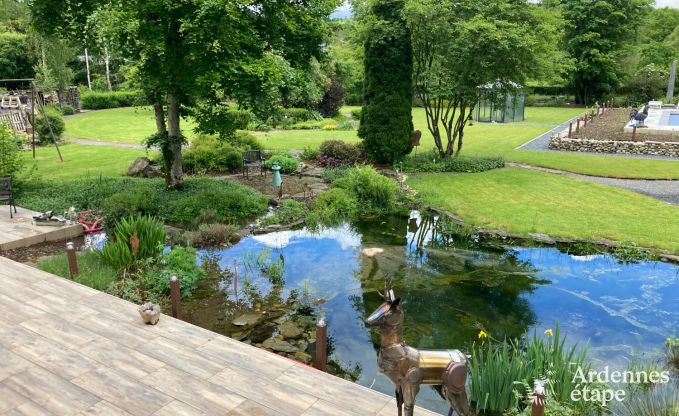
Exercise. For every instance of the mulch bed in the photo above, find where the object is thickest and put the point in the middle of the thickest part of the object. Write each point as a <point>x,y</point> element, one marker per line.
<point>31,254</point>
<point>610,127</point>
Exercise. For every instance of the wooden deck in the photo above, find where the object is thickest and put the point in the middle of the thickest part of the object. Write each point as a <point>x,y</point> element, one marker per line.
<point>66,349</point>
<point>21,232</point>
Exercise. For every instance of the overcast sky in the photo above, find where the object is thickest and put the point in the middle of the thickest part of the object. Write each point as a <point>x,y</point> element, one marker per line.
<point>344,10</point>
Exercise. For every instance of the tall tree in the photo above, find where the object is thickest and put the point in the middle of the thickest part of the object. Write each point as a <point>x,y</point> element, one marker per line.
<point>460,45</point>
<point>202,50</point>
<point>386,119</point>
<point>595,34</point>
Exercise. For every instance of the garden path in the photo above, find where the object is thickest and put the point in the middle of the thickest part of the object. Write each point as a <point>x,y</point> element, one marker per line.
<point>67,349</point>
<point>98,143</point>
<point>664,190</point>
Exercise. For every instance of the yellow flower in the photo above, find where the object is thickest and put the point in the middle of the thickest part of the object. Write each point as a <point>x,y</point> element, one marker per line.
<point>549,332</point>
<point>483,334</point>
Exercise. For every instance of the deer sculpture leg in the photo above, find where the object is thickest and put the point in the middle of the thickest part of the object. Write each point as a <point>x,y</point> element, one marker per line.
<point>409,394</point>
<point>454,380</point>
<point>399,401</point>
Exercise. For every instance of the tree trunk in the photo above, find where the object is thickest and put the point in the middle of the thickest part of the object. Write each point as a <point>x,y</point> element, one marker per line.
<point>174,141</point>
<point>161,129</point>
<point>160,119</point>
<point>87,67</point>
<point>108,71</point>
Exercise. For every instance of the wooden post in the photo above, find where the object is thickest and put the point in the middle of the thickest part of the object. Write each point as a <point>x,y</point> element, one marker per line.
<point>321,344</point>
<point>570,129</point>
<point>585,125</point>
<point>538,399</point>
<point>72,260</point>
<point>577,126</point>
<point>634,133</point>
<point>175,294</point>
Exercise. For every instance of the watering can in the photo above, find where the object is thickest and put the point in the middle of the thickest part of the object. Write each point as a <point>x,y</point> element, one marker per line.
<point>276,169</point>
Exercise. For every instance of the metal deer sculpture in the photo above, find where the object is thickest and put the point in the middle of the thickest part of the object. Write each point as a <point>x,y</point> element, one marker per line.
<point>408,367</point>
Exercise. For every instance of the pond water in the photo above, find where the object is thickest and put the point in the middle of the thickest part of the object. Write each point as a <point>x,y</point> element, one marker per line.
<point>450,290</point>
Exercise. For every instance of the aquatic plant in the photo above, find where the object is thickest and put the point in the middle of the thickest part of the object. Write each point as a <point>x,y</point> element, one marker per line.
<point>630,252</point>
<point>375,193</point>
<point>289,212</point>
<point>660,400</point>
<point>502,373</point>
<point>672,354</point>
<point>134,238</point>
<point>332,207</point>
<point>180,261</point>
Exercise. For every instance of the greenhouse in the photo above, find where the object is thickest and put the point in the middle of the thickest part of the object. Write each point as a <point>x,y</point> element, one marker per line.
<point>500,103</point>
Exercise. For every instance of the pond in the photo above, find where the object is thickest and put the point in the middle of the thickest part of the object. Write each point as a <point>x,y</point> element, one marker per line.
<point>452,289</point>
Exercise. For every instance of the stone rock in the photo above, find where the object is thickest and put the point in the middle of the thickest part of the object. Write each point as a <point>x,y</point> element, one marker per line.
<point>262,332</point>
<point>542,238</point>
<point>290,330</point>
<point>247,320</point>
<point>143,168</point>
<point>279,346</point>
<point>303,357</point>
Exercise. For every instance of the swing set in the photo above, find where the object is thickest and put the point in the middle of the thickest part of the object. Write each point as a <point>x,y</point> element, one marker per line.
<point>17,110</point>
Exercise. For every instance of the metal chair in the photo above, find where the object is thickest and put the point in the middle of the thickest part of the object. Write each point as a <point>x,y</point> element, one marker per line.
<point>253,159</point>
<point>6,194</point>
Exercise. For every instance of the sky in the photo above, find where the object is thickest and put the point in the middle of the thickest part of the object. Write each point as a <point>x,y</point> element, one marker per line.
<point>344,10</point>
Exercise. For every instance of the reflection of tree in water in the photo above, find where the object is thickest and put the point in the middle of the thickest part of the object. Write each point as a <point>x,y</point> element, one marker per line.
<point>451,288</point>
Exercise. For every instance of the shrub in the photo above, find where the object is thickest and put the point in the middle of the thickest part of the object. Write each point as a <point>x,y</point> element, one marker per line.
<point>374,192</point>
<point>330,175</point>
<point>245,141</point>
<point>209,154</point>
<point>333,99</point>
<point>432,162</point>
<point>92,100</point>
<point>309,154</point>
<point>330,127</point>
<point>67,110</point>
<point>133,239</point>
<point>289,212</point>
<point>345,125</point>
<point>214,235</point>
<point>356,113</point>
<point>335,153</point>
<point>56,123</point>
<point>229,200</point>
<point>180,261</point>
<point>221,119</point>
<point>287,163</point>
<point>11,161</point>
<point>306,125</point>
<point>332,207</point>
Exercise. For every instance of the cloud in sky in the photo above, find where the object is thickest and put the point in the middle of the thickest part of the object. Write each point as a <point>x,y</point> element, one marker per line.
<point>667,3</point>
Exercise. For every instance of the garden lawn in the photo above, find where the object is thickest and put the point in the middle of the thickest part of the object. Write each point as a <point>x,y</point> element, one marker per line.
<point>130,125</point>
<point>80,161</point>
<point>522,201</point>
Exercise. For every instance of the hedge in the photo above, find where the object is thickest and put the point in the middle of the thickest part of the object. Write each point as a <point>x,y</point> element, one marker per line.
<point>101,100</point>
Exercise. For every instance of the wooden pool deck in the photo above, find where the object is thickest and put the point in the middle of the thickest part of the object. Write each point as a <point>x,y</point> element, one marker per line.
<point>20,231</point>
<point>66,349</point>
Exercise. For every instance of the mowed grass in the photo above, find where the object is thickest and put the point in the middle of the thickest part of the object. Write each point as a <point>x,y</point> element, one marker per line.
<point>132,125</point>
<point>129,125</point>
<point>522,201</point>
<point>80,161</point>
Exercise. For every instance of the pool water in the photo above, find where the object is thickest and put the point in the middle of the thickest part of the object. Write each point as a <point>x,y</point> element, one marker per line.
<point>673,120</point>
<point>451,290</point>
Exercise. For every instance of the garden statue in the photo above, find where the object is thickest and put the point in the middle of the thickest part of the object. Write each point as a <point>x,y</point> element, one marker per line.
<point>48,218</point>
<point>150,313</point>
<point>408,367</point>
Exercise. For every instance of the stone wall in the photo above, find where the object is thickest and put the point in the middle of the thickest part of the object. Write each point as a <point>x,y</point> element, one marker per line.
<point>670,149</point>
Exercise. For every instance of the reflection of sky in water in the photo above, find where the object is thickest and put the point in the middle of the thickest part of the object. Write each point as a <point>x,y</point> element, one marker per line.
<point>622,309</point>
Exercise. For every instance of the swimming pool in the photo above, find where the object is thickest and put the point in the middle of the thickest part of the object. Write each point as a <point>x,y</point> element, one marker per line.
<point>673,120</point>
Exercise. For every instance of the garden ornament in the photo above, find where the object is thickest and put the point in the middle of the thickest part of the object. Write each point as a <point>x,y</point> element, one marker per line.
<point>276,169</point>
<point>48,218</point>
<point>408,367</point>
<point>150,313</point>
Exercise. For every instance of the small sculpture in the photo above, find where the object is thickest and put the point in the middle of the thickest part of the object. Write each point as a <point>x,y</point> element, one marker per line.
<point>640,117</point>
<point>408,367</point>
<point>150,313</point>
<point>48,218</point>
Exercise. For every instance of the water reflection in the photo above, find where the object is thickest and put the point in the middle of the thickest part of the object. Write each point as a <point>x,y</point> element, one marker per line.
<point>452,289</point>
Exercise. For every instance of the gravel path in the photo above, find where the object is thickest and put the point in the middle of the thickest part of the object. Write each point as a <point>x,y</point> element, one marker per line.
<point>97,143</point>
<point>664,190</point>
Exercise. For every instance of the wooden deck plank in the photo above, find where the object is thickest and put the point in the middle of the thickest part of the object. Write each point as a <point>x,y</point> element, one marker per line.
<point>128,394</point>
<point>201,394</point>
<point>66,349</point>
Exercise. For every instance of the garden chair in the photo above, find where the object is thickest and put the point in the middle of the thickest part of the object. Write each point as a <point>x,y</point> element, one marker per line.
<point>6,194</point>
<point>253,159</point>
